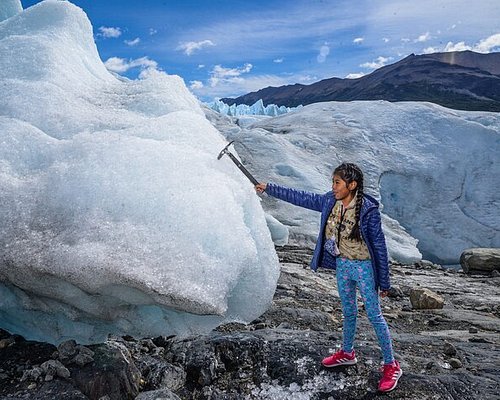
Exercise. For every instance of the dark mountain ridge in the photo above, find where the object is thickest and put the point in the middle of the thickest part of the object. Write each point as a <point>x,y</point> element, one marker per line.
<point>460,80</point>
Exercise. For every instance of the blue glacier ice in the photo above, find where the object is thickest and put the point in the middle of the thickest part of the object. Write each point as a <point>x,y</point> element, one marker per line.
<point>9,8</point>
<point>258,108</point>
<point>115,215</point>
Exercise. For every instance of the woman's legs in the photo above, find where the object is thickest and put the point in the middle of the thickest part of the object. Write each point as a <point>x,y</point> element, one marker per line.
<point>366,283</point>
<point>347,292</point>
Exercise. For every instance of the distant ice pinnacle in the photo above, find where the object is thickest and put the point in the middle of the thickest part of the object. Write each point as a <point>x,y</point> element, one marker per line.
<point>257,108</point>
<point>9,8</point>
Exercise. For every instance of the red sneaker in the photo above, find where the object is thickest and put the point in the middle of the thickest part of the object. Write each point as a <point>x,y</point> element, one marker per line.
<point>340,358</point>
<point>391,374</point>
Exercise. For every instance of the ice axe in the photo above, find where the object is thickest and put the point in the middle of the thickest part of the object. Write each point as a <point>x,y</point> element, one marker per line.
<point>238,164</point>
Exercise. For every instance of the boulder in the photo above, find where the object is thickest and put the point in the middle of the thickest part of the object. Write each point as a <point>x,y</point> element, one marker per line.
<point>480,260</point>
<point>425,299</point>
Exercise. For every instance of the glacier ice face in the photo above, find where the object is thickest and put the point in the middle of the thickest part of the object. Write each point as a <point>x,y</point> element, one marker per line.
<point>433,170</point>
<point>258,108</point>
<point>115,214</point>
<point>9,8</point>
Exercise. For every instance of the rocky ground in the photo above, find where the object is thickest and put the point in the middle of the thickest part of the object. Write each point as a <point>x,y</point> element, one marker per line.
<point>448,353</point>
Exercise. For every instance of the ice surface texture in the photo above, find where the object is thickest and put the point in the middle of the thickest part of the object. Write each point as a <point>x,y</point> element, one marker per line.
<point>9,8</point>
<point>434,170</point>
<point>115,214</point>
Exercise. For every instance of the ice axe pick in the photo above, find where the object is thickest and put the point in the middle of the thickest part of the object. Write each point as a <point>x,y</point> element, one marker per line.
<point>238,164</point>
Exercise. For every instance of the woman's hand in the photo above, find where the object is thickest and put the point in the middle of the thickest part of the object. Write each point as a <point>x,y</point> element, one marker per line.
<point>384,293</point>
<point>261,187</point>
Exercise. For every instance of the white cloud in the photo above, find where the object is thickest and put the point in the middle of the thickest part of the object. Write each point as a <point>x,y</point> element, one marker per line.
<point>358,40</point>
<point>323,53</point>
<point>423,38</point>
<point>429,50</point>
<point>190,47</point>
<point>196,85</point>
<point>221,74</point>
<point>489,44</point>
<point>152,31</point>
<point>109,32</point>
<point>378,63</point>
<point>307,78</point>
<point>120,65</point>
<point>278,60</point>
<point>237,86</point>
<point>460,46</point>
<point>132,42</point>
<point>355,75</point>
<point>200,66</point>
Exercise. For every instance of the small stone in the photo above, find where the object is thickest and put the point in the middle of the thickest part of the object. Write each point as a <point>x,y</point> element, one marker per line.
<point>55,368</point>
<point>32,386</point>
<point>455,363</point>
<point>6,342</point>
<point>83,359</point>
<point>473,329</point>
<point>482,308</point>
<point>67,350</point>
<point>260,325</point>
<point>449,349</point>
<point>395,292</point>
<point>425,299</point>
<point>495,273</point>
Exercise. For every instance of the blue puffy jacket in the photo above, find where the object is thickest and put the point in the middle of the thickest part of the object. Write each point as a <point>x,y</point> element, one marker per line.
<point>371,229</point>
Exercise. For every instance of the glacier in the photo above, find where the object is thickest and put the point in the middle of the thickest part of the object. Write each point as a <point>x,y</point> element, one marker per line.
<point>9,8</point>
<point>433,169</point>
<point>258,108</point>
<point>115,215</point>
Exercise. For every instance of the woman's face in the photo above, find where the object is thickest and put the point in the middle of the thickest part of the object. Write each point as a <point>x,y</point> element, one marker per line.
<point>340,188</point>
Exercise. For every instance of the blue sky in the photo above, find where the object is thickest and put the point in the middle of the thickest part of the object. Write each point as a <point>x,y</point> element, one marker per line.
<point>228,48</point>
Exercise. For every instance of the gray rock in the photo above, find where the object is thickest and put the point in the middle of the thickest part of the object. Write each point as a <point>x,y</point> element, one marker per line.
<point>67,350</point>
<point>82,359</point>
<point>32,374</point>
<point>55,368</point>
<point>425,299</point>
<point>173,377</point>
<point>113,373</point>
<point>480,260</point>
<point>449,349</point>
<point>395,292</point>
<point>6,342</point>
<point>162,394</point>
<point>473,329</point>
<point>455,363</point>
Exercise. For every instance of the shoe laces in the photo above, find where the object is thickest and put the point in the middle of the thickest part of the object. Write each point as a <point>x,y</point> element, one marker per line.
<point>390,371</point>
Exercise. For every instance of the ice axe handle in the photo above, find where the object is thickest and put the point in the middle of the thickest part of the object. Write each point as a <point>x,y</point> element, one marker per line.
<point>243,169</point>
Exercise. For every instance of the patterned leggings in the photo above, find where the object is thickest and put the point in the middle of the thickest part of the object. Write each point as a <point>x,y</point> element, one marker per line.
<point>352,273</point>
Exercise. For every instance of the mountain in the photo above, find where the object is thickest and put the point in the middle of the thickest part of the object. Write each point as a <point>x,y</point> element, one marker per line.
<point>460,80</point>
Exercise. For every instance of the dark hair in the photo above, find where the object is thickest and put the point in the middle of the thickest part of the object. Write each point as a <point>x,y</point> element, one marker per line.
<point>351,172</point>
